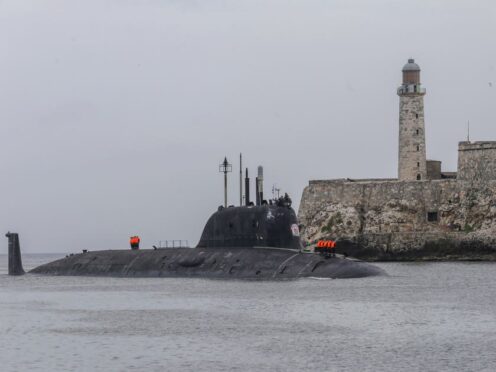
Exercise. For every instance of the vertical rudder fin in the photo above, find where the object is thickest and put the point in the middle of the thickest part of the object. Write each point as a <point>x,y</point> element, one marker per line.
<point>15,261</point>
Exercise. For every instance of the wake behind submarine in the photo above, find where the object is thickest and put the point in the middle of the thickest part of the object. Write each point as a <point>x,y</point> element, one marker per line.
<point>247,242</point>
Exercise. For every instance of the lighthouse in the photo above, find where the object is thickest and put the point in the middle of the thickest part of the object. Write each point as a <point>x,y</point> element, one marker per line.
<point>411,155</point>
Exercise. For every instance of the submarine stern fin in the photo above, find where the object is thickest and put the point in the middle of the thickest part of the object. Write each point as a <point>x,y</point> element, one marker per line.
<point>15,261</point>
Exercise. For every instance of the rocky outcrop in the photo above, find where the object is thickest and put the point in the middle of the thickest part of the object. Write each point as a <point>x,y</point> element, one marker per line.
<point>403,220</point>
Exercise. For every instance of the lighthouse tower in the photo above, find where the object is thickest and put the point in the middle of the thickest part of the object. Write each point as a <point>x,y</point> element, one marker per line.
<point>411,159</point>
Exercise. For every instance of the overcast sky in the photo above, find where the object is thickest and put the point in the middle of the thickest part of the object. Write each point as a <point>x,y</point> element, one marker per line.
<point>114,115</point>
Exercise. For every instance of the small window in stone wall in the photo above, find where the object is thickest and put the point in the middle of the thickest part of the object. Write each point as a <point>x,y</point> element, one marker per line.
<point>416,116</point>
<point>418,148</point>
<point>432,217</point>
<point>418,132</point>
<point>418,165</point>
<point>419,177</point>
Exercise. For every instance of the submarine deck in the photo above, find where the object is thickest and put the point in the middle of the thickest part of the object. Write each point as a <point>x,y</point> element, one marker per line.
<point>242,263</point>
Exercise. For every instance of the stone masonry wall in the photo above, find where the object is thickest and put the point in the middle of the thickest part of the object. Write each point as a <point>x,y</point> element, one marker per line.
<point>389,219</point>
<point>477,160</point>
<point>433,169</point>
<point>411,158</point>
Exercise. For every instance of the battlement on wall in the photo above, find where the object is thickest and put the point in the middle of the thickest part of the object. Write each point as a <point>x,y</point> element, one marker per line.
<point>477,160</point>
<point>350,180</point>
<point>475,146</point>
<point>444,176</point>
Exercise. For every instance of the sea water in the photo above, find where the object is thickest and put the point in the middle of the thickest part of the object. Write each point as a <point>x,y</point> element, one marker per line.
<point>422,317</point>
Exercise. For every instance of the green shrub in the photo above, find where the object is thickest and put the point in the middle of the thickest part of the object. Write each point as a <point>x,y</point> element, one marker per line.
<point>335,219</point>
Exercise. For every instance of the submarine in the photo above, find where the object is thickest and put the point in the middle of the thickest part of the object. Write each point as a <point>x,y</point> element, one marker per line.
<point>250,241</point>
<point>242,242</point>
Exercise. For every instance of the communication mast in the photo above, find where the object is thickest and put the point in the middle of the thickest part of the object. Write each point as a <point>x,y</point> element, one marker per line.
<point>225,168</point>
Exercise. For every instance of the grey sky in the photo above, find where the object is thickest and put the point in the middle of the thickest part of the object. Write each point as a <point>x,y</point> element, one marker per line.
<point>114,115</point>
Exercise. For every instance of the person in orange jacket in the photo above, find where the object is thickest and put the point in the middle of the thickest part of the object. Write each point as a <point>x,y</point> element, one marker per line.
<point>134,241</point>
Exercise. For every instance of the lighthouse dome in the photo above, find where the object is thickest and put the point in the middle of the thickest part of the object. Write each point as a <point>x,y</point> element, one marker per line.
<point>411,73</point>
<point>411,66</point>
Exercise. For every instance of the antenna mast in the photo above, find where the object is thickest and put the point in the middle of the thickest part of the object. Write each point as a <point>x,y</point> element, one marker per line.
<point>240,179</point>
<point>275,192</point>
<point>225,168</point>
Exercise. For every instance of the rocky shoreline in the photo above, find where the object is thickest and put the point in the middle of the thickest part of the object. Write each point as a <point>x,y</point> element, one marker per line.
<point>441,250</point>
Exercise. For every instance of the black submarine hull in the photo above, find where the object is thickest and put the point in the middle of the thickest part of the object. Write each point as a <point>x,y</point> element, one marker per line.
<point>241,263</point>
<point>251,242</point>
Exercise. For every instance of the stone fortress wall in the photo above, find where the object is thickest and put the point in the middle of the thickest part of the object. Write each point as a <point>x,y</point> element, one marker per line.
<point>425,213</point>
<point>396,218</point>
<point>477,160</point>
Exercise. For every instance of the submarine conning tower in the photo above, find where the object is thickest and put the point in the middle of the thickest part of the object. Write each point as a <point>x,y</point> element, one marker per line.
<point>268,225</point>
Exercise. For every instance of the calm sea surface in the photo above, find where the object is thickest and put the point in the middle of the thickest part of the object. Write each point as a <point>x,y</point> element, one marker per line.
<point>423,317</point>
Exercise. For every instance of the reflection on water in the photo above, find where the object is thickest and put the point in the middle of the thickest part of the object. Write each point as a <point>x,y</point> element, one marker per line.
<point>424,317</point>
